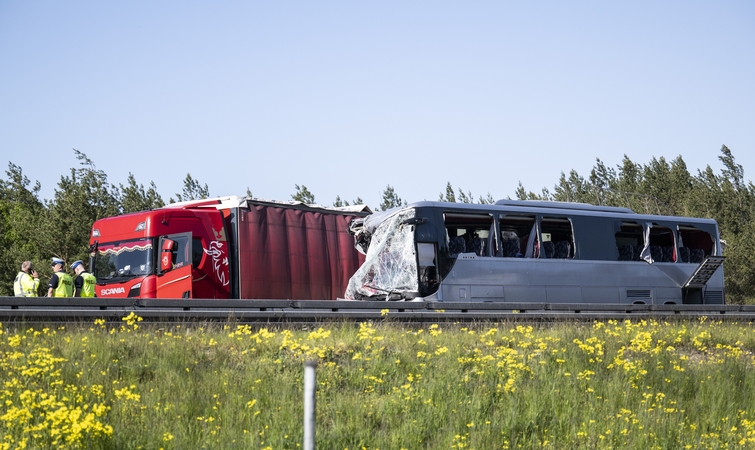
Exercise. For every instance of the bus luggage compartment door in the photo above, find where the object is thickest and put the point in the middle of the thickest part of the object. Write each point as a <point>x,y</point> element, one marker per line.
<point>692,289</point>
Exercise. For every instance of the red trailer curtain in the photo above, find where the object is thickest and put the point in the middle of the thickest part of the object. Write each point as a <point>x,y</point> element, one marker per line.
<point>295,254</point>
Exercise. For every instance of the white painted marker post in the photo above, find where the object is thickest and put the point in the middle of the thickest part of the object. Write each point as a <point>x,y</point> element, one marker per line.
<point>309,405</point>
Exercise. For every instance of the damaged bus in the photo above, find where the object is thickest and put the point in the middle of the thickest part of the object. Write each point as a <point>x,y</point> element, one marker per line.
<point>536,251</point>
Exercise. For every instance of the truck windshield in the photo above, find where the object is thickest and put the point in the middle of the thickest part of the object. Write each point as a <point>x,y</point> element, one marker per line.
<point>125,259</point>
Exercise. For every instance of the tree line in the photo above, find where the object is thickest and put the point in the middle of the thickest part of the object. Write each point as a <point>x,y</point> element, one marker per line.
<point>35,229</point>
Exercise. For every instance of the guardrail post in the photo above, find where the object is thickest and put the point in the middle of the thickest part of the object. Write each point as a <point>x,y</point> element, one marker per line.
<point>309,405</point>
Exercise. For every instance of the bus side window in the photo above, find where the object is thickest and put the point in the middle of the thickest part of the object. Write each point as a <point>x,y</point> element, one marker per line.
<point>558,238</point>
<point>629,241</point>
<point>515,231</point>
<point>694,244</point>
<point>662,248</point>
<point>469,233</point>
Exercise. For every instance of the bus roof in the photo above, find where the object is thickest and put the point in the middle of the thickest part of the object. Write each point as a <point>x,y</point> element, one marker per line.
<point>564,205</point>
<point>561,208</point>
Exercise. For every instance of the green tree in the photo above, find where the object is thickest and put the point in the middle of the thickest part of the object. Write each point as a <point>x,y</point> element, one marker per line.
<point>193,190</point>
<point>603,181</point>
<point>465,198</point>
<point>339,203</point>
<point>681,187</point>
<point>731,201</point>
<point>303,195</point>
<point>462,197</point>
<point>523,194</point>
<point>133,197</point>
<point>390,199</point>
<point>488,200</point>
<point>575,189</point>
<point>449,195</point>
<point>20,213</point>
<point>80,199</point>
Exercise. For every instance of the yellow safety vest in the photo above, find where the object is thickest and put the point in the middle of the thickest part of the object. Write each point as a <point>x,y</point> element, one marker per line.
<point>65,285</point>
<point>25,285</point>
<point>87,287</point>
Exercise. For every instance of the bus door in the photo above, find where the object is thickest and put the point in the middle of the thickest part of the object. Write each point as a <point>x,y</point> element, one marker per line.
<point>174,274</point>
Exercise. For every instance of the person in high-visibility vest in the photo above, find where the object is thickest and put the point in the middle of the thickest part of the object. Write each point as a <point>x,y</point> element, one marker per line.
<point>26,283</point>
<point>61,284</point>
<point>83,284</point>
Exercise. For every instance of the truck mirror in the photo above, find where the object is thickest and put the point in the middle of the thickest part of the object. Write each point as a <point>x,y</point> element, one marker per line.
<point>166,255</point>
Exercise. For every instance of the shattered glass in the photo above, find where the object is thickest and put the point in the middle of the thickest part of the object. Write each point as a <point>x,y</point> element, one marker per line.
<point>390,267</point>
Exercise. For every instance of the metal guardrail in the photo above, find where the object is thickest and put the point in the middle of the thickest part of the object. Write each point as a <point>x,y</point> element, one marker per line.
<point>45,309</point>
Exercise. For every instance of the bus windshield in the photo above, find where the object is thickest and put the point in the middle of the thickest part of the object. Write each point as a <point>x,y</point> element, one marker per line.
<point>127,259</point>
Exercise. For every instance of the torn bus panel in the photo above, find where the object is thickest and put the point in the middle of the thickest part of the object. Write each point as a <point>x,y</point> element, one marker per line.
<point>390,268</point>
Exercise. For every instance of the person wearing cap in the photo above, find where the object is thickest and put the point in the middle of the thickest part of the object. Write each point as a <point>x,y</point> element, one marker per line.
<point>83,284</point>
<point>61,284</point>
<point>26,283</point>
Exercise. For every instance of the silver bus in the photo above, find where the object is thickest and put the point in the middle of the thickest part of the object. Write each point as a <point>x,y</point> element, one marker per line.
<point>536,251</point>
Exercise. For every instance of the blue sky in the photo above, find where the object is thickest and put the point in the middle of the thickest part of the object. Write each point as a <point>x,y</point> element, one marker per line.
<point>348,97</point>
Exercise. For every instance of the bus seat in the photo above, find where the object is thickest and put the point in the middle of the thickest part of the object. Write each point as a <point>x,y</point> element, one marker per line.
<point>684,254</point>
<point>696,255</point>
<point>656,252</point>
<point>562,249</point>
<point>511,247</point>
<point>475,246</point>
<point>456,245</point>
<point>548,249</point>
<point>668,253</point>
<point>626,253</point>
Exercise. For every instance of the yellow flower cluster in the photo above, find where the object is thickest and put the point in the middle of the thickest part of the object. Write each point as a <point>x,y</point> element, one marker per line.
<point>40,409</point>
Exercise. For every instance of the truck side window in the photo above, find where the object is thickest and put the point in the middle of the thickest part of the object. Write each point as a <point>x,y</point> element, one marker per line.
<point>197,251</point>
<point>180,251</point>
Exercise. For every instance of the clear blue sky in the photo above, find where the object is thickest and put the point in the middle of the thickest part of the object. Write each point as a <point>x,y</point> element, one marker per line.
<point>348,97</point>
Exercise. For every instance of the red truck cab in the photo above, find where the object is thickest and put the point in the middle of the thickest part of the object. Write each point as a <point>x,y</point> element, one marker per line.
<point>172,252</point>
<point>229,247</point>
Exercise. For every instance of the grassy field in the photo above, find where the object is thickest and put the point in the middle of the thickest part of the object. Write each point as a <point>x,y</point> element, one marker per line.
<point>380,386</point>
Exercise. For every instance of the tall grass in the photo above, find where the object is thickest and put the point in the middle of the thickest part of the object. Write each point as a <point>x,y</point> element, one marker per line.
<point>380,385</point>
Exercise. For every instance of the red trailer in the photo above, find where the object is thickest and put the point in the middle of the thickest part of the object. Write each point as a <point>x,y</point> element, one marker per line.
<point>230,247</point>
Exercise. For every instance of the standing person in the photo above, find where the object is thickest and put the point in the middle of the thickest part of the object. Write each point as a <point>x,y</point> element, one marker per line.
<point>83,284</point>
<point>61,284</point>
<point>26,283</point>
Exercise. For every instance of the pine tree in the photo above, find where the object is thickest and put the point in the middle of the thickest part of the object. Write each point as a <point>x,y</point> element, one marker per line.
<point>133,197</point>
<point>449,195</point>
<point>488,200</point>
<point>303,195</point>
<point>390,199</point>
<point>193,190</point>
<point>339,203</point>
<point>80,199</point>
<point>20,213</point>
